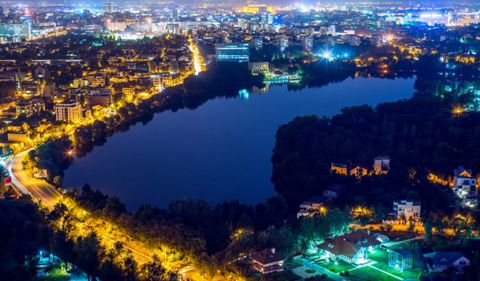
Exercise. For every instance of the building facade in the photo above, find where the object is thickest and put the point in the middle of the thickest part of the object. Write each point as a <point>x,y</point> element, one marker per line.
<point>236,52</point>
<point>405,209</point>
<point>68,112</point>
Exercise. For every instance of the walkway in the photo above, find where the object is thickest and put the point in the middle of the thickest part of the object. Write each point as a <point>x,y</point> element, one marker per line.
<point>394,243</point>
<point>383,271</point>
<point>322,270</point>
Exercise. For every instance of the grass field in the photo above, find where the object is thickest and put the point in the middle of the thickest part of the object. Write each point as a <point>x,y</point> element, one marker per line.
<point>341,266</point>
<point>381,257</point>
<point>55,274</point>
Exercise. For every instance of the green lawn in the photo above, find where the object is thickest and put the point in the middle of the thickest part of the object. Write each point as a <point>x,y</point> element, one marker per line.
<point>341,266</point>
<point>381,257</point>
<point>55,274</point>
<point>368,274</point>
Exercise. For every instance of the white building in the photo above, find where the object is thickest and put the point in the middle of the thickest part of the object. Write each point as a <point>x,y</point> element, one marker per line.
<point>404,209</point>
<point>464,183</point>
<point>311,206</point>
<point>68,111</point>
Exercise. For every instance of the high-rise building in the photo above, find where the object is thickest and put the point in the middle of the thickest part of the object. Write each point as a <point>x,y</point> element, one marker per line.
<point>16,30</point>
<point>174,14</point>
<point>308,43</point>
<point>238,52</point>
<point>257,43</point>
<point>331,30</point>
<point>109,7</point>
<point>68,112</point>
<point>283,43</point>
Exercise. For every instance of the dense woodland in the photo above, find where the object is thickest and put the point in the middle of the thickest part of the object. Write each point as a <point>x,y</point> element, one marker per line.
<point>417,134</point>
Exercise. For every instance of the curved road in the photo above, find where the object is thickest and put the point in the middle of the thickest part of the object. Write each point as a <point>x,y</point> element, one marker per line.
<point>47,195</point>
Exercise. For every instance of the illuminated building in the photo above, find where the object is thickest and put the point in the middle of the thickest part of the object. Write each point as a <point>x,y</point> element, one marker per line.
<point>257,43</point>
<point>258,8</point>
<point>405,209</point>
<point>109,7</point>
<point>19,31</point>
<point>381,165</point>
<point>101,97</point>
<point>68,111</point>
<point>258,67</point>
<point>267,261</point>
<point>238,52</point>
<point>30,107</point>
<point>128,93</point>
<point>312,206</point>
<point>283,43</point>
<point>308,44</point>
<point>339,169</point>
<point>351,248</point>
<point>464,183</point>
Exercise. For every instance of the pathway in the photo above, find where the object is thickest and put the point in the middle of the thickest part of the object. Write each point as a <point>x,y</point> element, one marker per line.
<point>383,271</point>
<point>394,243</point>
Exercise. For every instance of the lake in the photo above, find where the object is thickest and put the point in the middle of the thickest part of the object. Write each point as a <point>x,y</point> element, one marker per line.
<point>219,151</point>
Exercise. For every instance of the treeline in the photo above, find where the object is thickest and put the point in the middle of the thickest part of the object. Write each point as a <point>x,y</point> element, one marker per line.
<point>417,134</point>
<point>213,238</point>
<point>27,233</point>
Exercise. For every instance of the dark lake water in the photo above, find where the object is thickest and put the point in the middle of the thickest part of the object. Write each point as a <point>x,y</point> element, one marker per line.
<point>219,151</point>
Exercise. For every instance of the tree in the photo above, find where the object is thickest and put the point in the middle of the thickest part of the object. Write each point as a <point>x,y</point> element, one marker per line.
<point>428,230</point>
<point>58,181</point>
<point>154,271</point>
<point>89,254</point>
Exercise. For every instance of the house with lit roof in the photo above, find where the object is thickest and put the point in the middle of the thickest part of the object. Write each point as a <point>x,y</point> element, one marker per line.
<point>464,182</point>
<point>267,261</point>
<point>351,247</point>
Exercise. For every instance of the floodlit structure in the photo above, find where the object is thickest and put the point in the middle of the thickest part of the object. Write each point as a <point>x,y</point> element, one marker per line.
<point>400,259</point>
<point>352,247</point>
<point>236,52</point>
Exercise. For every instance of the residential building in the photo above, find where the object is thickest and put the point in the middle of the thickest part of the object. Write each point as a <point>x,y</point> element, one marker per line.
<point>464,183</point>
<point>41,72</point>
<point>333,192</point>
<point>128,93</point>
<point>19,31</point>
<point>30,106</point>
<point>339,169</point>
<point>311,206</point>
<point>68,111</point>
<point>307,44</point>
<point>96,80</point>
<point>283,43</point>
<point>30,88</point>
<point>101,97</point>
<point>440,261</point>
<point>358,170</point>
<point>237,52</point>
<point>381,165</point>
<point>406,209</point>
<point>257,43</point>
<point>352,247</point>
<point>267,261</point>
